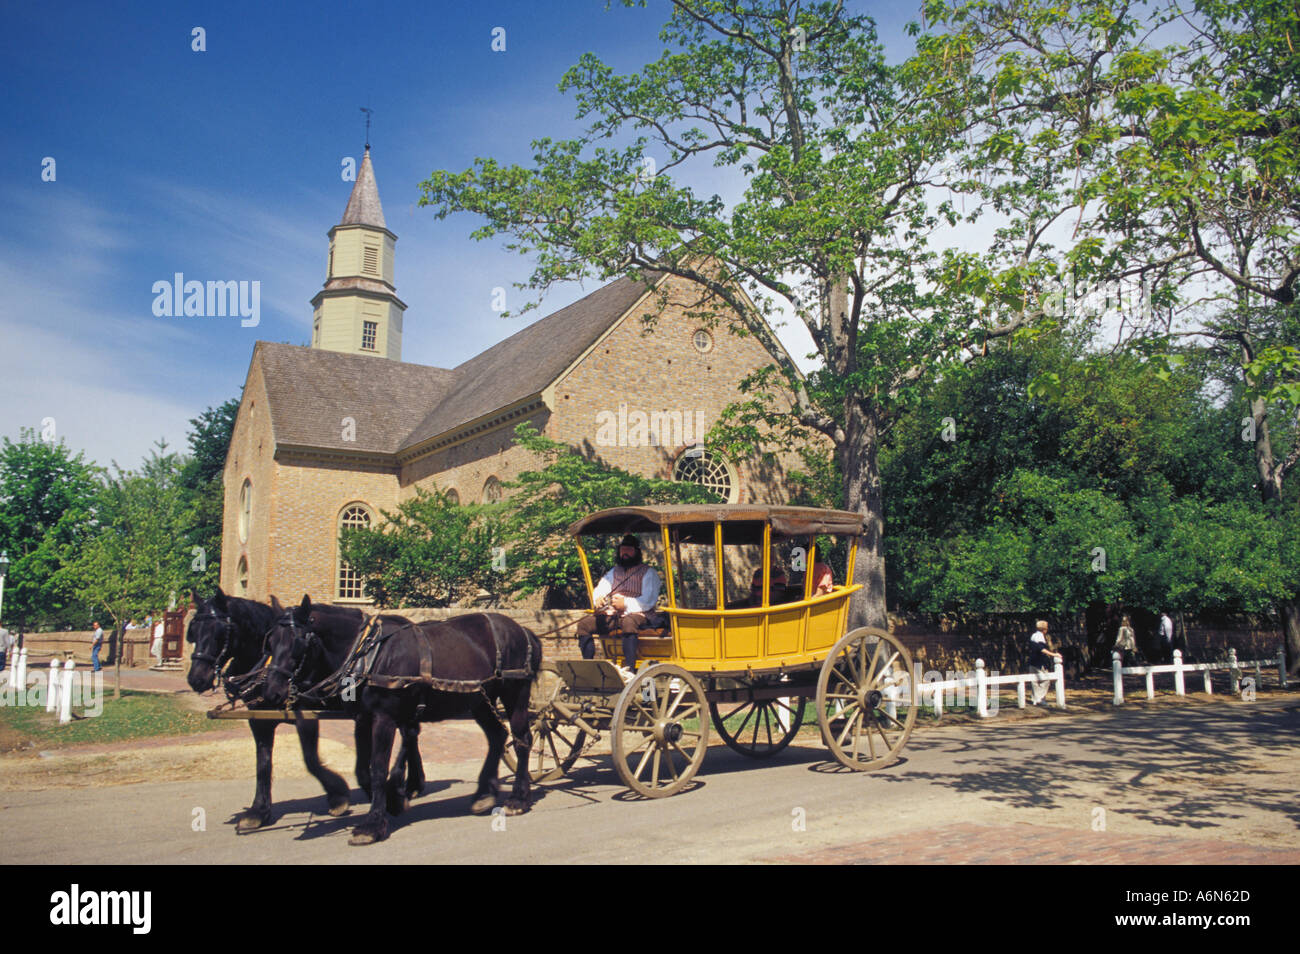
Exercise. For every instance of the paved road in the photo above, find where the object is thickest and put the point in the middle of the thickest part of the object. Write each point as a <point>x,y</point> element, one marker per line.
<point>1169,784</point>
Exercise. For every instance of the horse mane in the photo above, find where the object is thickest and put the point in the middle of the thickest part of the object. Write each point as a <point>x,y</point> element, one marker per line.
<point>253,617</point>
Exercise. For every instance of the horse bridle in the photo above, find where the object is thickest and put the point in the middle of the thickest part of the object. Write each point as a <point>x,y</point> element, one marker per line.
<point>220,660</point>
<point>311,641</point>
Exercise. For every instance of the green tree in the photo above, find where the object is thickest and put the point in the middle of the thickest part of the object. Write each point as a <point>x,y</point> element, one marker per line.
<point>136,558</point>
<point>47,505</point>
<point>429,552</point>
<point>1177,127</point>
<point>201,476</point>
<point>838,152</point>
<point>539,553</point>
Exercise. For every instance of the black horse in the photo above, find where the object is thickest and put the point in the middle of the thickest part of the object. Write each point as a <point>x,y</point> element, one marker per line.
<point>229,636</point>
<point>401,674</point>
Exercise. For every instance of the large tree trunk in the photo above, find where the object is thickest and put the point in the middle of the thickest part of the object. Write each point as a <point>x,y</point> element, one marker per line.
<point>1270,490</point>
<point>858,460</point>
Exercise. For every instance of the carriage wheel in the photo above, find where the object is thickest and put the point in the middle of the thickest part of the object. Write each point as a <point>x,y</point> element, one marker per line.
<point>866,668</point>
<point>557,745</point>
<point>660,731</point>
<point>759,734</point>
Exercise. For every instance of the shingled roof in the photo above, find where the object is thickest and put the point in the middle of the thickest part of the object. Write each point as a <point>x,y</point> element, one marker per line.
<point>529,360</point>
<point>398,405</point>
<point>310,391</point>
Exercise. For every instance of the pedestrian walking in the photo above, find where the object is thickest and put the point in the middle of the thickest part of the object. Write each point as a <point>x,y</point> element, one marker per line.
<point>1126,641</point>
<point>1041,660</point>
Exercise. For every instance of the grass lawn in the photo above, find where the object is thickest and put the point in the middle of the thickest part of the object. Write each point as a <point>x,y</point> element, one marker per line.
<point>137,715</point>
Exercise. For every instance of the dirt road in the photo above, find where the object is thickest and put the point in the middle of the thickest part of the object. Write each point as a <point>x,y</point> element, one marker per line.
<point>1170,783</point>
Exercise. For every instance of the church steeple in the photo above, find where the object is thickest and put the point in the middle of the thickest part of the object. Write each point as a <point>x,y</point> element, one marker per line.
<point>358,310</point>
<point>363,205</point>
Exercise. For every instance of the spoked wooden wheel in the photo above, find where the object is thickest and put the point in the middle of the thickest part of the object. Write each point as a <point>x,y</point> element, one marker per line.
<point>866,699</point>
<point>660,731</point>
<point>557,745</point>
<point>760,728</point>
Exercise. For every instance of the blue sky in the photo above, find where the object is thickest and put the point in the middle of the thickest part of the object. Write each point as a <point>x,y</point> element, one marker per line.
<point>225,165</point>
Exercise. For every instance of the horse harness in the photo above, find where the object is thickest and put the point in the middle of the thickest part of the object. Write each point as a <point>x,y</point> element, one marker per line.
<point>358,668</point>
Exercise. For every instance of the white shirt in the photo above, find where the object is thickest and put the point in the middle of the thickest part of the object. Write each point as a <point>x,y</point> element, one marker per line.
<point>645,603</point>
<point>1166,629</point>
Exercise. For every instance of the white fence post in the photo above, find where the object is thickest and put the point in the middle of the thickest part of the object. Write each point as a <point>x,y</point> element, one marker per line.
<point>1235,671</point>
<point>981,690</point>
<point>1117,672</point>
<point>1151,685</point>
<point>52,698</point>
<point>1060,683</point>
<point>65,700</point>
<point>1020,693</point>
<point>938,702</point>
<point>1179,686</point>
<point>20,671</point>
<point>1209,686</point>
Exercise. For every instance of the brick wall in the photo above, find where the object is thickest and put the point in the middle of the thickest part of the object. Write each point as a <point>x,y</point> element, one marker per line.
<point>944,642</point>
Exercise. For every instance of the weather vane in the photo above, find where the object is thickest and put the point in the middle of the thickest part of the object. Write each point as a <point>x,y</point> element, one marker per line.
<point>369,112</point>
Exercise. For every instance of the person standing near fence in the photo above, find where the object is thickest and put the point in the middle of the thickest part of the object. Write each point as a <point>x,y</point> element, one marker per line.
<point>1041,660</point>
<point>1166,638</point>
<point>155,646</point>
<point>6,642</point>
<point>96,644</point>
<point>1126,641</point>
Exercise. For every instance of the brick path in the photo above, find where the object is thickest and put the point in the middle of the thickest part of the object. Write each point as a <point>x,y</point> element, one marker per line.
<point>1039,844</point>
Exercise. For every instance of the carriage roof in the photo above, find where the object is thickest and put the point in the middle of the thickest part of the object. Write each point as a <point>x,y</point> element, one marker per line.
<point>785,521</point>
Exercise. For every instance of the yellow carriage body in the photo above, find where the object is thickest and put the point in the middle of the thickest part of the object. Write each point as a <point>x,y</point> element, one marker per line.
<point>784,636</point>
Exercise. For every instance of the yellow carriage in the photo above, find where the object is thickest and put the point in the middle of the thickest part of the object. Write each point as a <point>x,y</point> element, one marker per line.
<point>747,662</point>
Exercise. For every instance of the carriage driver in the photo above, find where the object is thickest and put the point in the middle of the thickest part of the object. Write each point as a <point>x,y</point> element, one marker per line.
<point>625,597</point>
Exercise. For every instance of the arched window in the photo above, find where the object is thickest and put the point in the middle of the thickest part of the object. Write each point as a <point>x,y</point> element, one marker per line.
<point>354,517</point>
<point>245,509</point>
<point>241,576</point>
<point>452,496</point>
<point>697,466</point>
<point>492,491</point>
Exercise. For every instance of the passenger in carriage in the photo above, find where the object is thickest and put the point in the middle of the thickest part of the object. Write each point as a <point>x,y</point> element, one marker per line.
<point>625,600</point>
<point>823,583</point>
<point>755,598</point>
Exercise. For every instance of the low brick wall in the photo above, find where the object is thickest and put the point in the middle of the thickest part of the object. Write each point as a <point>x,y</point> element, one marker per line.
<point>40,647</point>
<point>1001,640</point>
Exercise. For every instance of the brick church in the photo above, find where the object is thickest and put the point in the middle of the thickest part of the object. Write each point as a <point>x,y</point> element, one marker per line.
<point>328,436</point>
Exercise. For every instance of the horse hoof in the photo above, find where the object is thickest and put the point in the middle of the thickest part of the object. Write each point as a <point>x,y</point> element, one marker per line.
<point>366,836</point>
<point>514,807</point>
<point>252,822</point>
<point>483,804</point>
<point>340,808</point>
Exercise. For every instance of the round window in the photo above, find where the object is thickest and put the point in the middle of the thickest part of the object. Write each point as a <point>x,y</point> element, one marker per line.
<point>703,341</point>
<point>700,467</point>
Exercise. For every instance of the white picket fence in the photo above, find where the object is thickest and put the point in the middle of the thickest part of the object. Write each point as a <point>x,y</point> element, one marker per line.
<point>980,681</point>
<point>60,690</point>
<point>1180,670</point>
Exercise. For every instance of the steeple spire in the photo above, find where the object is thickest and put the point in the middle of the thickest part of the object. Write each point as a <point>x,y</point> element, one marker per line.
<point>363,205</point>
<point>358,310</point>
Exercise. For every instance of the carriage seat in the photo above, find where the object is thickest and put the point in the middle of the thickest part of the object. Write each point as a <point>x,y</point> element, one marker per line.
<point>654,643</point>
